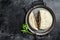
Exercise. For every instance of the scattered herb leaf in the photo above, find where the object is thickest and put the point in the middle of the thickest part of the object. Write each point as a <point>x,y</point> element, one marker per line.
<point>25,29</point>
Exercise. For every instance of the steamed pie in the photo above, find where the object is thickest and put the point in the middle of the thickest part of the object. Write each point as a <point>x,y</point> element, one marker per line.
<point>45,19</point>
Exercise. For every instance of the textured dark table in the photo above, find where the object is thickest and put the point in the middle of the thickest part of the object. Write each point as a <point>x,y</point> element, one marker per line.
<point>12,11</point>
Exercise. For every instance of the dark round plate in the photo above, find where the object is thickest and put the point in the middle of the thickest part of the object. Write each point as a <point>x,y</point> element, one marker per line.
<point>35,31</point>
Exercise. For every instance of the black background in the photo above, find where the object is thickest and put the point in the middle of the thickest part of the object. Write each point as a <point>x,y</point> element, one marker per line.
<point>12,17</point>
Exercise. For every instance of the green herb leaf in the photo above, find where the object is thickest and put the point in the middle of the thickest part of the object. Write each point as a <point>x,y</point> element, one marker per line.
<point>25,29</point>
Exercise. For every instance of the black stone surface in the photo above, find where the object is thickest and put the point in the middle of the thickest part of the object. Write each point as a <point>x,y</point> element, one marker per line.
<point>13,15</point>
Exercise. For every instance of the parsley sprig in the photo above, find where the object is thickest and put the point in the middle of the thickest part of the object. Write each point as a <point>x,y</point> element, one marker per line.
<point>25,29</point>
